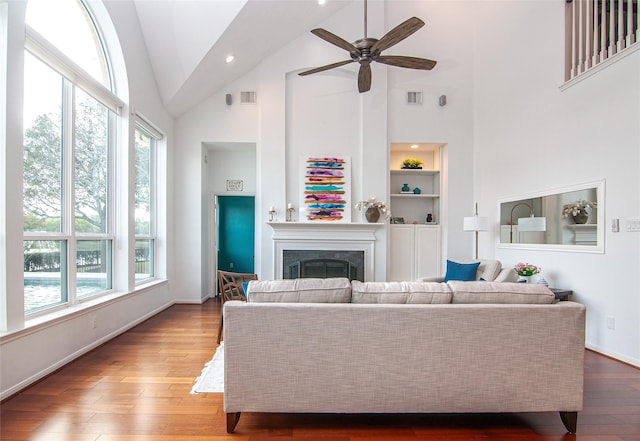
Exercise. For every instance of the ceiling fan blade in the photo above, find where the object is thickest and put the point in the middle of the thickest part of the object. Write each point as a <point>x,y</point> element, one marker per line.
<point>409,62</point>
<point>334,39</point>
<point>364,77</point>
<point>397,34</point>
<point>327,67</point>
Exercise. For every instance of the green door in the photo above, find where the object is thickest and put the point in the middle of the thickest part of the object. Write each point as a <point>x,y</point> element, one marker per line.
<point>236,215</point>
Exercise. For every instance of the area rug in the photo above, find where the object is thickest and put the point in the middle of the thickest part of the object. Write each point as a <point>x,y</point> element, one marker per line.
<point>212,377</point>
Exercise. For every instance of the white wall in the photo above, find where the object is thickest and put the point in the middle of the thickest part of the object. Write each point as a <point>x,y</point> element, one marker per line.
<point>32,350</point>
<point>212,121</point>
<point>531,136</point>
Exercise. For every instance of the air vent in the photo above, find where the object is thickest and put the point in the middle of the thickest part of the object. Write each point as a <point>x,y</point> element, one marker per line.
<point>248,97</point>
<point>414,98</point>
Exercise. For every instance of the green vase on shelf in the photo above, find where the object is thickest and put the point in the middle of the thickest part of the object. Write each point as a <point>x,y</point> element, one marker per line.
<point>405,187</point>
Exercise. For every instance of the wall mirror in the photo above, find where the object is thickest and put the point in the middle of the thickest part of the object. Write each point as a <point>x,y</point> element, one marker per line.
<point>568,218</point>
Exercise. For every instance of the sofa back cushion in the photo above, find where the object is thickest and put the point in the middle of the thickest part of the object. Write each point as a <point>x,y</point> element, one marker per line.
<point>500,292</point>
<point>400,292</point>
<point>332,290</point>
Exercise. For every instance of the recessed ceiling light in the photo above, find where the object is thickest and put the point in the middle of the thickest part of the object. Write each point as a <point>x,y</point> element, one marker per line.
<point>322,2</point>
<point>415,146</point>
<point>229,58</point>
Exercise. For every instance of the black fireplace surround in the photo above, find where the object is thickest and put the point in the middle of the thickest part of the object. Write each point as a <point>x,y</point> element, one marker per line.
<point>297,264</point>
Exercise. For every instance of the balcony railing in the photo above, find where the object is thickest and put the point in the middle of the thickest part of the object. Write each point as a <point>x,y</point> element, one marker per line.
<point>597,30</point>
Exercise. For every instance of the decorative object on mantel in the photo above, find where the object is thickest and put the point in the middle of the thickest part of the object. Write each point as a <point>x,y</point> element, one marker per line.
<point>290,211</point>
<point>525,271</point>
<point>326,189</point>
<point>272,214</point>
<point>412,163</point>
<point>373,208</point>
<point>578,211</point>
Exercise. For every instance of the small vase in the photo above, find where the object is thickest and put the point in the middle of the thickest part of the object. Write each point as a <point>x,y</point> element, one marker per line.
<point>372,214</point>
<point>581,218</point>
<point>405,187</point>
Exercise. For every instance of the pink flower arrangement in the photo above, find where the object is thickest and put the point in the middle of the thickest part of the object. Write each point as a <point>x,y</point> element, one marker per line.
<point>526,269</point>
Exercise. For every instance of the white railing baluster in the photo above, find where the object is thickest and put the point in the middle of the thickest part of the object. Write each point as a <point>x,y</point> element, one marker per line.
<point>594,34</point>
<point>575,39</point>
<point>612,27</point>
<point>583,36</point>
<point>620,42</point>
<point>603,31</point>
<point>629,37</point>
<point>588,34</point>
<point>637,22</point>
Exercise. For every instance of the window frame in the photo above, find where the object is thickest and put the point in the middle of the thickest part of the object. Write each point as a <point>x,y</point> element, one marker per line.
<point>142,125</point>
<point>75,77</point>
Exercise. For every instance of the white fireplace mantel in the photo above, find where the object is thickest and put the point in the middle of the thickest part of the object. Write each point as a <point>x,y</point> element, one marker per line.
<point>325,236</point>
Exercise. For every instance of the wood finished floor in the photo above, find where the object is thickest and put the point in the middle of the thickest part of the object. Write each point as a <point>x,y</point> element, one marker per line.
<point>137,386</point>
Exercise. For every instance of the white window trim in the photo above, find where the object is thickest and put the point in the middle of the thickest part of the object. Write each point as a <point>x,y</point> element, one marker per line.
<point>37,45</point>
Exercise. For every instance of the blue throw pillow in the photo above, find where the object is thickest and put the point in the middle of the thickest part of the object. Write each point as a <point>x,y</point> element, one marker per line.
<point>461,271</point>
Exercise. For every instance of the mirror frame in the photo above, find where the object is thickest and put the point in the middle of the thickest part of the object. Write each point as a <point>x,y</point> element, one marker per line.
<point>599,185</point>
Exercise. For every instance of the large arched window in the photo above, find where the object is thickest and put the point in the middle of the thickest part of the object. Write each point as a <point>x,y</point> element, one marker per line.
<point>69,142</point>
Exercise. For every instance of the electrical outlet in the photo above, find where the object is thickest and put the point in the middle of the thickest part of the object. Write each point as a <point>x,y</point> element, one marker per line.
<point>231,265</point>
<point>611,322</point>
<point>94,322</point>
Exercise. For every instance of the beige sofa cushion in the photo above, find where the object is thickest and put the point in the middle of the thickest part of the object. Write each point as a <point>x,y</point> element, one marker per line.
<point>399,292</point>
<point>497,292</point>
<point>333,290</point>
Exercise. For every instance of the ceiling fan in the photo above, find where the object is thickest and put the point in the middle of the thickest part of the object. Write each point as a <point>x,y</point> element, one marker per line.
<point>367,50</point>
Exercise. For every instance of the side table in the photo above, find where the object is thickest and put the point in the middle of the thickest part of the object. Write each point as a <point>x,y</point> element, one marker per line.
<point>562,295</point>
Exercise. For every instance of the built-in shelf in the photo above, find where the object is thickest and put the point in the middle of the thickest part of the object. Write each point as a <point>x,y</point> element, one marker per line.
<point>414,171</point>
<point>412,196</point>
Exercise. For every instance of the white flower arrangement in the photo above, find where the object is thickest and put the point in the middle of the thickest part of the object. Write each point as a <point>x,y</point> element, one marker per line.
<point>374,203</point>
<point>577,207</point>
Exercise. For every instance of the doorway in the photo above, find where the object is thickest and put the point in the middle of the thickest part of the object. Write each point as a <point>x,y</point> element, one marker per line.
<point>236,233</point>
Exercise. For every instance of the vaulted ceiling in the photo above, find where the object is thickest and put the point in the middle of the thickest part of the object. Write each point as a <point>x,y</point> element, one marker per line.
<point>189,40</point>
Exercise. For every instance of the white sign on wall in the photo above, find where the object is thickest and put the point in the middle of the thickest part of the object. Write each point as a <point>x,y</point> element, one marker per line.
<point>234,184</point>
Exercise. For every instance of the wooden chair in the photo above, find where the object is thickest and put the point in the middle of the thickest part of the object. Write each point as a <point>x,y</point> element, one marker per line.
<point>230,288</point>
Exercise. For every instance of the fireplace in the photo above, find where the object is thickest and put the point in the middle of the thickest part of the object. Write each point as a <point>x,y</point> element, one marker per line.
<point>323,264</point>
<point>316,249</point>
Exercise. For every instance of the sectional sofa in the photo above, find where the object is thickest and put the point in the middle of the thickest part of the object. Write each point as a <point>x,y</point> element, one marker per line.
<point>334,346</point>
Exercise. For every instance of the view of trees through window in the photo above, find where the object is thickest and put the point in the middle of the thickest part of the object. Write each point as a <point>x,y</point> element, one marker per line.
<point>67,171</point>
<point>144,204</point>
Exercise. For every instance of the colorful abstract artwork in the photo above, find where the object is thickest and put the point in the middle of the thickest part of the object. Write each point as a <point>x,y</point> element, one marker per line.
<point>327,189</point>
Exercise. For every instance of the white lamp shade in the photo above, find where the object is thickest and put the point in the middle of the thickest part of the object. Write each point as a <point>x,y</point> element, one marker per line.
<point>476,223</point>
<point>532,224</point>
